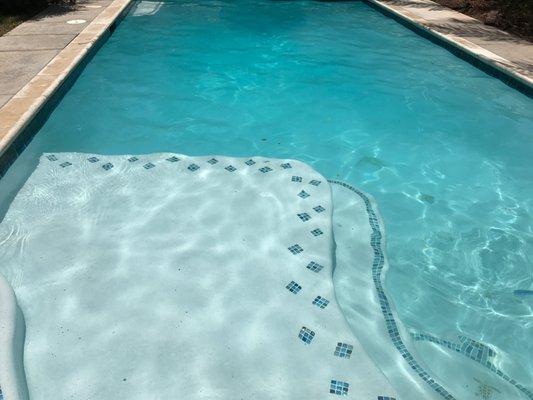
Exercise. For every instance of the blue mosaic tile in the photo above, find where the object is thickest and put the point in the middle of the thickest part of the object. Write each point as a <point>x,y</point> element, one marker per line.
<point>93,159</point>
<point>296,179</point>
<point>51,157</point>
<point>65,164</point>
<point>264,170</point>
<point>212,161</point>
<point>250,162</point>
<point>193,167</point>
<point>107,166</point>
<point>230,168</point>
<point>316,232</point>
<point>295,249</point>
<point>377,267</point>
<point>339,388</point>
<point>319,209</point>
<point>314,182</point>
<point>173,159</point>
<point>304,216</point>
<point>386,398</point>
<point>343,350</point>
<point>286,166</point>
<point>306,335</point>
<point>148,166</point>
<point>133,159</point>
<point>293,287</point>
<point>303,194</point>
<point>315,267</point>
<point>320,302</point>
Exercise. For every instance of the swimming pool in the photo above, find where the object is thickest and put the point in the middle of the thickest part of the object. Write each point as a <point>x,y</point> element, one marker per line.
<point>442,147</point>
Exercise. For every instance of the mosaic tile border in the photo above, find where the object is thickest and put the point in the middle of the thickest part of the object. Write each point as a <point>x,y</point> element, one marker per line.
<point>377,266</point>
<point>467,345</point>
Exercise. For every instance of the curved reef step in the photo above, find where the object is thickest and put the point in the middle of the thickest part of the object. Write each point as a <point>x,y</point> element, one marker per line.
<point>12,330</point>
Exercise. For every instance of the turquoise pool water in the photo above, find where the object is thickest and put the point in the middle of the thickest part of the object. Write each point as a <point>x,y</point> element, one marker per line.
<point>444,148</point>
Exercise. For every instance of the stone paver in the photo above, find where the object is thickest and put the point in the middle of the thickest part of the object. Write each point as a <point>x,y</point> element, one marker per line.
<point>28,48</point>
<point>518,53</point>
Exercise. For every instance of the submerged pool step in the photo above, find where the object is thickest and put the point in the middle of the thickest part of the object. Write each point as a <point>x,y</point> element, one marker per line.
<point>224,265</point>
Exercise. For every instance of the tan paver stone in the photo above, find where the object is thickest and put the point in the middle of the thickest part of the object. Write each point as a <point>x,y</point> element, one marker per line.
<point>38,87</point>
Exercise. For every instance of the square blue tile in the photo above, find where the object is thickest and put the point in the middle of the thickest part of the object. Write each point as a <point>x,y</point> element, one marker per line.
<point>250,162</point>
<point>65,164</point>
<point>320,302</point>
<point>314,182</point>
<point>133,159</point>
<point>286,166</point>
<point>193,167</point>
<point>92,159</point>
<point>107,166</point>
<point>304,216</point>
<point>295,249</point>
<point>264,170</point>
<point>148,166</point>
<point>306,335</point>
<point>303,194</point>
<point>319,209</point>
<point>230,168</point>
<point>173,159</point>
<point>314,266</point>
<point>338,387</point>
<point>296,179</point>
<point>212,161</point>
<point>293,287</point>
<point>317,232</point>
<point>343,350</point>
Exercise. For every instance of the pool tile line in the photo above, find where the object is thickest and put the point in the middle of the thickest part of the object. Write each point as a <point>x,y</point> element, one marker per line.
<point>390,322</point>
<point>474,350</point>
<point>467,345</point>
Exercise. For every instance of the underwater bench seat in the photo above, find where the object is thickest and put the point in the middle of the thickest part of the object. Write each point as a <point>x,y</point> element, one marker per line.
<point>167,276</point>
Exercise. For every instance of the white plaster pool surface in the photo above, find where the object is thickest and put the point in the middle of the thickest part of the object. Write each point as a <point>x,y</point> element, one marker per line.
<point>165,276</point>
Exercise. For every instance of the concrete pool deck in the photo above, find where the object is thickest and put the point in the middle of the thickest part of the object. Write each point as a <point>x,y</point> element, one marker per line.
<point>37,56</point>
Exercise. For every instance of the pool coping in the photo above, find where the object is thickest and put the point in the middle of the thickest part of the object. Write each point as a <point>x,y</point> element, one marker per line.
<point>22,108</point>
<point>482,58</point>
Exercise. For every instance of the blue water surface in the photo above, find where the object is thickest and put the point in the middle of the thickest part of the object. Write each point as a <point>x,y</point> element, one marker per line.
<point>445,149</point>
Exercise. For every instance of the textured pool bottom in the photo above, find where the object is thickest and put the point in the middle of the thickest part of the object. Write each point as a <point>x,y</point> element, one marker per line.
<point>231,258</point>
